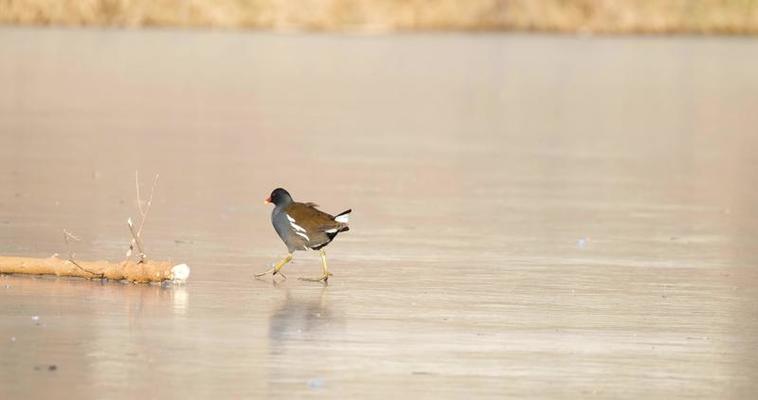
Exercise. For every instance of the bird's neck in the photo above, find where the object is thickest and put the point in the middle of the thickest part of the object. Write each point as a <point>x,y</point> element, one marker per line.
<point>280,207</point>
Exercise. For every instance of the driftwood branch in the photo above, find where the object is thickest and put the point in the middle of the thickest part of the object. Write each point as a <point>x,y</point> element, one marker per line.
<point>138,271</point>
<point>153,271</point>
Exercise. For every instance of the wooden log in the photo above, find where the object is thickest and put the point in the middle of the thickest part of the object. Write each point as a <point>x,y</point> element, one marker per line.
<point>149,271</point>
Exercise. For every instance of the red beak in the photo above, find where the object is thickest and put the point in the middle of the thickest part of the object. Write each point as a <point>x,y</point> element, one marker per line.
<point>267,201</point>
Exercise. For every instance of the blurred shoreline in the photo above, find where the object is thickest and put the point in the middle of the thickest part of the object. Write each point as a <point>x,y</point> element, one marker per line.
<point>722,17</point>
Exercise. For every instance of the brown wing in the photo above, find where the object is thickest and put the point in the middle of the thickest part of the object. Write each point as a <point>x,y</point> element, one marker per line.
<point>315,222</point>
<point>310,227</point>
<point>312,220</point>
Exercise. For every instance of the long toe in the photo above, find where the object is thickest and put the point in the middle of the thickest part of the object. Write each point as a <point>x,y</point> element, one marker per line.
<point>323,278</point>
<point>258,275</point>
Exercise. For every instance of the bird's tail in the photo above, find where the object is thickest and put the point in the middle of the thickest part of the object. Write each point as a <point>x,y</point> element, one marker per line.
<point>343,217</point>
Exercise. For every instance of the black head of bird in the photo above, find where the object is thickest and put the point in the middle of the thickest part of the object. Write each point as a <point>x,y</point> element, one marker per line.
<point>279,197</point>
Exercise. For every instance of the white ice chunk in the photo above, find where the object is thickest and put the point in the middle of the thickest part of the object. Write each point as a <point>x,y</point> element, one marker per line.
<point>180,272</point>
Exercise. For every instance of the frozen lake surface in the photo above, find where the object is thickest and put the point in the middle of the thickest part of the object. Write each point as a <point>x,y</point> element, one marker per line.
<point>534,216</point>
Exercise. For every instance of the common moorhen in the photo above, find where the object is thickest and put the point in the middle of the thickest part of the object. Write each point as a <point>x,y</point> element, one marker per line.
<point>303,227</point>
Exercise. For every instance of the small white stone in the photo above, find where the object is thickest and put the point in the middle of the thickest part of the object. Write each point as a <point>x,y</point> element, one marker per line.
<point>35,317</point>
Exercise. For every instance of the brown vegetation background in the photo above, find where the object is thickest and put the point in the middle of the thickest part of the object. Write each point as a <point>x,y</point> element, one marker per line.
<point>599,16</point>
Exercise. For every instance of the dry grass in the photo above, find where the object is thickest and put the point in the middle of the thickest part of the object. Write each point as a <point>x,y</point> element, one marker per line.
<point>600,16</point>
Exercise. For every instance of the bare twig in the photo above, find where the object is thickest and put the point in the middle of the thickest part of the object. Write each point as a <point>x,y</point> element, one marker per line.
<point>66,236</point>
<point>139,198</point>
<point>137,235</point>
<point>148,205</point>
<point>136,241</point>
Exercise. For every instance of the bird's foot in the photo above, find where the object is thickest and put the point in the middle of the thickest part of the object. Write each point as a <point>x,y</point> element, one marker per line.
<point>258,275</point>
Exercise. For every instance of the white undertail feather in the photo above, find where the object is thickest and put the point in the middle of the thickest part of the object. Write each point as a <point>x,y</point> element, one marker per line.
<point>344,218</point>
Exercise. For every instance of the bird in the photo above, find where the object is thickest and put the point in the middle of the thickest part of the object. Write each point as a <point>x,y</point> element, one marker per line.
<point>302,227</point>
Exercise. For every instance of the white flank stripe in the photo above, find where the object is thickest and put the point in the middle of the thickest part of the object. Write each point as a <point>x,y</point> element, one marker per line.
<point>303,235</point>
<point>297,227</point>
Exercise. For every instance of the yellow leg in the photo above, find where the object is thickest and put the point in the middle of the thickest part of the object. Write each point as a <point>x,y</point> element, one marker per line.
<point>324,268</point>
<point>276,268</point>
